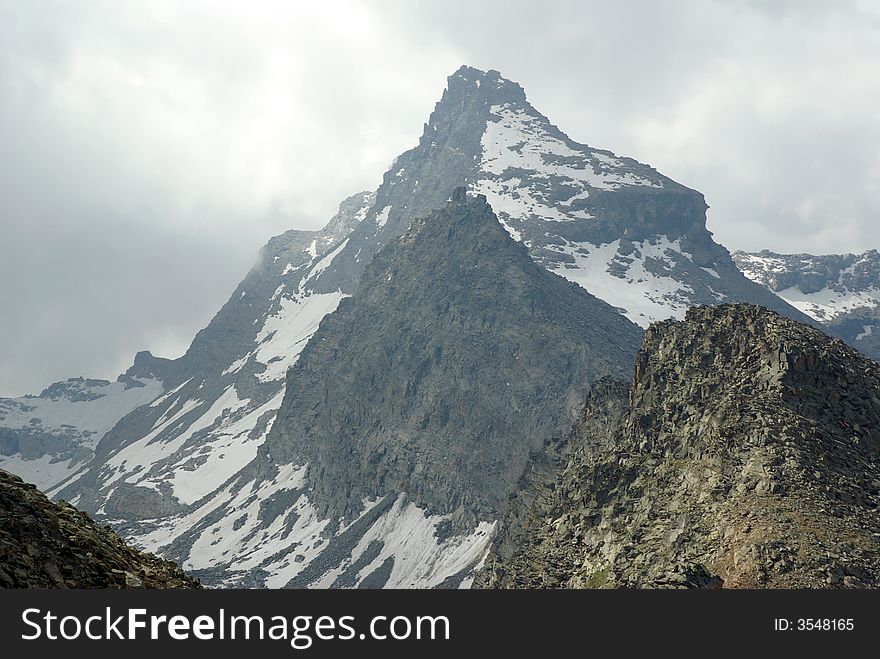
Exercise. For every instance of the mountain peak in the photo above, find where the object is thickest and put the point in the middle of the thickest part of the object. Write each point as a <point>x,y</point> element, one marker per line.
<point>422,402</point>
<point>491,83</point>
<point>464,213</point>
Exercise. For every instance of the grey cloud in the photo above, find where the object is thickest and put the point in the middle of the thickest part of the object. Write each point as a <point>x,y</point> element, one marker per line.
<point>147,150</point>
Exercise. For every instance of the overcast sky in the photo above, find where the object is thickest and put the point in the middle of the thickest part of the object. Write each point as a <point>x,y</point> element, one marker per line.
<point>148,149</point>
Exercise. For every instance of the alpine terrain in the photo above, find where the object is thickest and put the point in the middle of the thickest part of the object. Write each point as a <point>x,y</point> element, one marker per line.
<point>50,438</point>
<point>53,545</point>
<point>456,356</point>
<point>745,453</point>
<point>840,291</point>
<point>172,472</point>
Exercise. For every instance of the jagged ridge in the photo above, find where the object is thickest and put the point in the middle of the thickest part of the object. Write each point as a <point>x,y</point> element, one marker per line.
<point>746,455</point>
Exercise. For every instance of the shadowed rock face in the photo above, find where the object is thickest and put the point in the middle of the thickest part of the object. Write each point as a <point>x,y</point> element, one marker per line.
<point>746,454</point>
<point>53,545</point>
<point>455,357</point>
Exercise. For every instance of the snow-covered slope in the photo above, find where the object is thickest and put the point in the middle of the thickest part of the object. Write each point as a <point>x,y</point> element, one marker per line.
<point>615,226</point>
<point>181,475</point>
<point>182,446</point>
<point>184,474</point>
<point>49,439</point>
<point>841,291</point>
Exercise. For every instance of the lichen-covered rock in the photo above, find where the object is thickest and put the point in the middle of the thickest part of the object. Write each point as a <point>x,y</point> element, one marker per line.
<point>54,545</point>
<point>746,454</point>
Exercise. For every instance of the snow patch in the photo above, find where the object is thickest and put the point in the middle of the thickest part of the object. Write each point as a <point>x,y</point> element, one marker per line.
<point>223,453</point>
<point>523,158</point>
<point>162,399</point>
<point>285,333</point>
<point>382,217</point>
<point>644,296</point>
<point>421,560</point>
<point>45,472</point>
<point>828,303</point>
<point>236,366</point>
<point>139,456</point>
<point>320,266</point>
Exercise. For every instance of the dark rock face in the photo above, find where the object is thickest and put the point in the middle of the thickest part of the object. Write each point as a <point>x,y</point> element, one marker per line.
<point>138,502</point>
<point>455,357</point>
<point>746,454</point>
<point>53,545</point>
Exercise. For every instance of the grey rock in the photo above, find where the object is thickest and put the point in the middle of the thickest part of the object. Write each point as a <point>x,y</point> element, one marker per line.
<point>456,356</point>
<point>53,545</point>
<point>745,454</point>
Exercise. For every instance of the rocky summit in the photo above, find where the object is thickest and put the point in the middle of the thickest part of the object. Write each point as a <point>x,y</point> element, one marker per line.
<point>745,454</point>
<point>456,356</point>
<point>54,545</point>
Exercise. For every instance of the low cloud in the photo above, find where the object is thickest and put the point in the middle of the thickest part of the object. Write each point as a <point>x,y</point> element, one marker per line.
<point>147,150</point>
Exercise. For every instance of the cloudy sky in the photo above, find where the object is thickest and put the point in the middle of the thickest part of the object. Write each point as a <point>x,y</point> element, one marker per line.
<point>148,149</point>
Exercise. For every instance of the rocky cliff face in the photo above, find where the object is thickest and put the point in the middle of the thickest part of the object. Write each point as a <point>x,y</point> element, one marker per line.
<point>746,454</point>
<point>840,291</point>
<point>53,545</point>
<point>456,356</point>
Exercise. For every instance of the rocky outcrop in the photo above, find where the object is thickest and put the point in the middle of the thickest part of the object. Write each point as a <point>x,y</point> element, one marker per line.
<point>455,357</point>
<point>745,454</point>
<point>54,545</point>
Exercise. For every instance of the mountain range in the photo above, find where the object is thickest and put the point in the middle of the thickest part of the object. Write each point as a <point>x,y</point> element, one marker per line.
<point>842,292</point>
<point>366,403</point>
